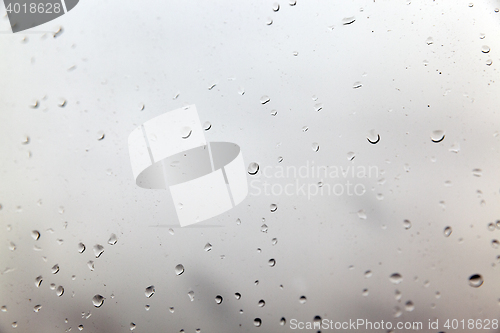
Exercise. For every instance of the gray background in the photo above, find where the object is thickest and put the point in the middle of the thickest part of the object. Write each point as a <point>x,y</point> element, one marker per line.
<point>113,57</point>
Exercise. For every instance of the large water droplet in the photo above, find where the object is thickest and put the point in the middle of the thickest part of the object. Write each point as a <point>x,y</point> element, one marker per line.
<point>373,137</point>
<point>485,49</point>
<point>257,322</point>
<point>81,247</point>
<point>98,250</point>
<point>276,6</point>
<point>302,300</point>
<point>35,234</point>
<point>132,326</point>
<point>218,299</point>
<point>282,321</point>
<point>38,281</point>
<point>179,269</point>
<point>437,136</point>
<point>98,300</point>
<point>264,99</point>
<point>60,291</point>
<point>150,291</point>
<point>476,280</point>
<point>253,168</point>
<point>447,231</point>
<point>55,269</point>
<point>112,239</point>
<point>396,278</point>
<point>271,262</point>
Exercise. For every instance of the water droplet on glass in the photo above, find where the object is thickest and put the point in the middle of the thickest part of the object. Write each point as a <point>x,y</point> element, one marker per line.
<point>475,280</point>
<point>14,324</point>
<point>238,221</point>
<point>132,326</point>
<point>477,172</point>
<point>98,300</point>
<point>350,156</point>
<point>485,49</point>
<point>80,327</point>
<point>171,231</point>
<point>302,300</point>
<point>348,20</point>
<point>179,269</point>
<point>100,135</point>
<point>207,247</point>
<point>3,308</point>
<point>365,292</point>
<point>171,309</point>
<point>191,295</point>
<point>55,269</point>
<point>362,214</point>
<point>368,274</point>
<point>12,246</point>
<point>407,224</point>
<point>90,265</point>
<point>269,21</point>
<point>150,291</point>
<point>282,321</point>
<point>186,132</point>
<point>373,137</point>
<point>271,262</point>
<point>429,41</point>
<point>98,250</point>
<point>397,295</point>
<point>315,146</point>
<point>274,241</point>
<point>409,306</point>
<point>264,99</point>
<point>263,228</point>
<point>237,295</point>
<point>396,278</point>
<point>37,308</point>
<point>60,291</point>
<point>253,168</point>
<point>276,6</point>
<point>437,136</point>
<point>218,299</point>
<point>274,113</point>
<point>489,62</point>
<point>397,312</point>
<point>447,231</point>
<point>207,125</point>
<point>35,234</point>
<point>497,10</point>
<point>257,322</point>
<point>357,85</point>
<point>273,207</point>
<point>318,107</point>
<point>81,247</point>
<point>495,243</point>
<point>38,281</point>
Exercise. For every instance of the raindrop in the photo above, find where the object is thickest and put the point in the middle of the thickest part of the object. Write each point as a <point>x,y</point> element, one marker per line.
<point>280,159</point>
<point>269,21</point>
<point>100,135</point>
<point>37,308</point>
<point>318,107</point>
<point>365,292</point>
<point>3,308</point>
<point>132,326</point>
<point>179,269</point>
<point>271,262</point>
<point>397,312</point>
<point>357,85</point>
<point>238,221</point>
<point>497,10</point>
<point>207,247</point>
<point>315,146</point>
<point>262,303</point>
<point>90,265</point>
<point>302,300</point>
<point>373,137</point>
<point>207,126</point>
<point>489,62</point>
<point>368,274</point>
<point>35,234</point>
<point>55,269</point>
<point>477,172</point>
<point>429,41</point>
<point>276,6</point>
<point>171,309</point>
<point>409,306</point>
<point>98,300</point>
<point>38,281</point>
<point>282,321</point>
<point>237,295</point>
<point>437,136</point>
<point>495,243</point>
<point>146,307</point>
<point>397,295</point>
<point>476,280</point>
<point>447,231</point>
<point>273,207</point>
<point>350,156</point>
<point>362,214</point>
<point>314,97</point>
<point>98,250</point>
<point>482,35</point>
<point>257,322</point>
<point>264,99</point>
<point>112,239</point>
<point>12,246</point>
<point>491,227</point>
<point>305,128</point>
<point>150,291</point>
<point>211,86</point>
<point>396,278</point>
<point>191,295</point>
<point>263,228</point>
<point>80,327</point>
<point>485,49</point>
<point>60,241</point>
<point>407,224</point>
<point>253,168</point>
<point>81,247</point>
<point>14,324</point>
<point>218,299</point>
<point>348,20</point>
<point>471,5</point>
<point>274,241</point>
<point>60,291</point>
<point>186,132</point>
<point>171,231</point>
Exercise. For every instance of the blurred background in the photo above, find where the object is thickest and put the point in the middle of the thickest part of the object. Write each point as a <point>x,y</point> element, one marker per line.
<point>409,88</point>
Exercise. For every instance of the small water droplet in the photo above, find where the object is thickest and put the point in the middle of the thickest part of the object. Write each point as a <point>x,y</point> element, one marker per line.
<point>409,306</point>
<point>3,308</point>
<point>186,132</point>
<point>271,262</point>
<point>171,309</point>
<point>315,146</point>
<point>407,224</point>
<point>253,168</point>
<point>350,156</point>
<point>429,41</point>
<point>14,324</point>
<point>274,113</point>
<point>212,85</point>
<point>35,234</point>
<point>477,172</point>
<point>112,239</point>
<point>373,137</point>
<point>98,250</point>
<point>238,221</point>
<point>55,269</point>
<point>273,208</point>
<point>318,107</point>
<point>207,126</point>
<point>38,281</point>
<point>362,214</point>
<point>274,241</point>
<point>497,10</point>
<point>397,295</point>
<point>150,291</point>
<point>81,247</point>
<point>12,246</point>
<point>348,20</point>
<point>495,243</point>
<point>365,292</point>
<point>191,295</point>
<point>257,322</point>
<point>471,5</point>
<point>485,49</point>
<point>269,21</point>
<point>357,85</point>
<point>292,2</point>
<point>437,136</point>
<point>489,62</point>
<point>447,231</point>
<point>368,274</point>
<point>171,231</point>
<point>80,327</point>
<point>37,308</point>
<point>90,265</point>
<point>397,312</point>
<point>264,99</point>
<point>98,300</point>
<point>218,299</point>
<point>302,300</point>
<point>396,278</point>
<point>179,269</point>
<point>282,321</point>
<point>132,326</point>
<point>476,280</point>
<point>237,295</point>
<point>100,135</point>
<point>276,6</point>
<point>263,228</point>
<point>60,291</point>
<point>207,247</point>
